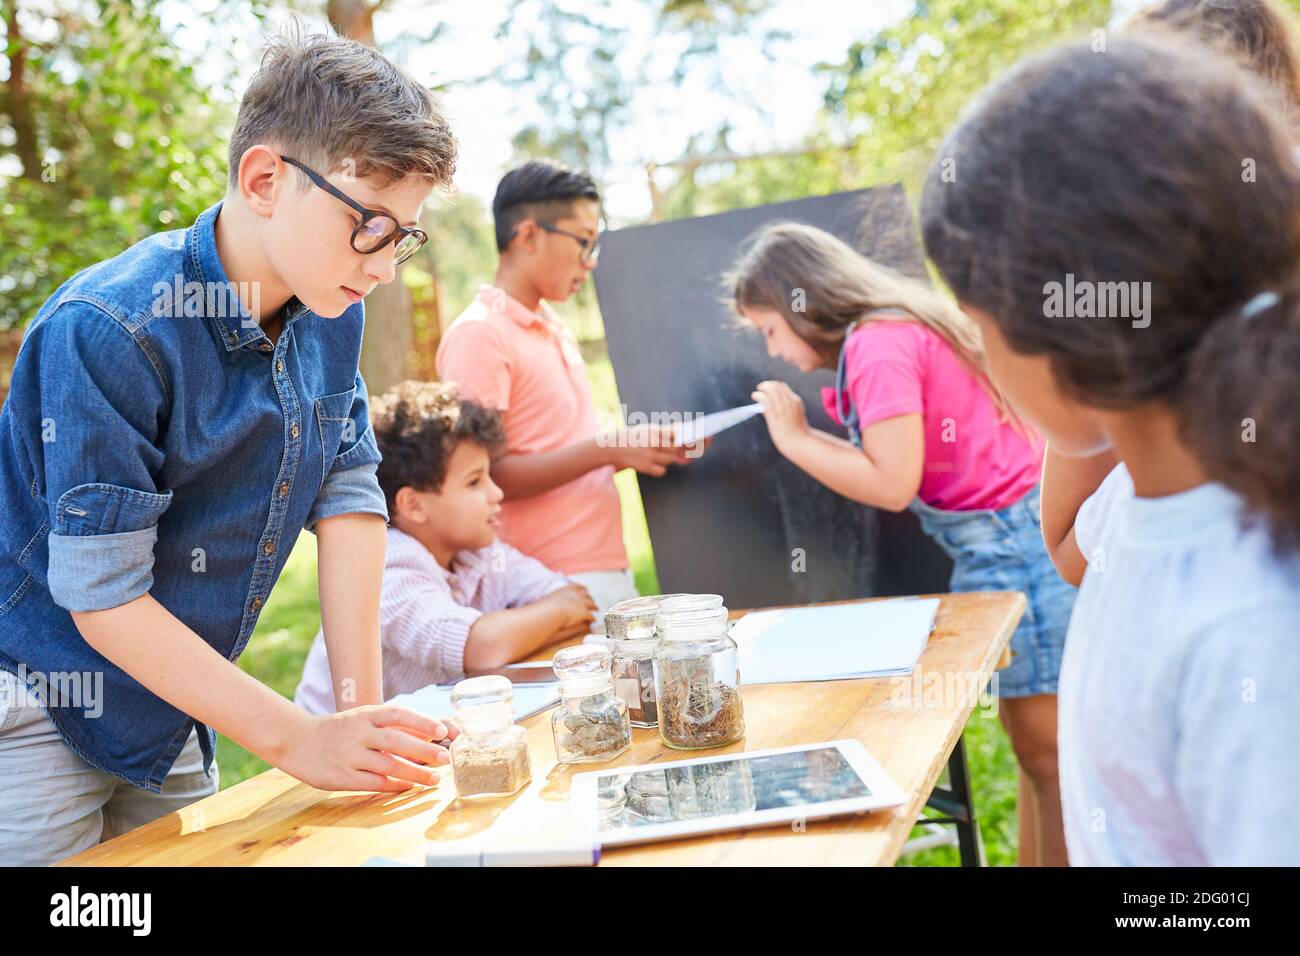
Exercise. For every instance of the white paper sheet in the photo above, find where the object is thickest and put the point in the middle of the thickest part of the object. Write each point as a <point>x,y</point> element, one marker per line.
<point>435,700</point>
<point>839,642</point>
<point>698,429</point>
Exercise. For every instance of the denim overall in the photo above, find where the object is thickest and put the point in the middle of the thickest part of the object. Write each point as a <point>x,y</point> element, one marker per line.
<point>996,550</point>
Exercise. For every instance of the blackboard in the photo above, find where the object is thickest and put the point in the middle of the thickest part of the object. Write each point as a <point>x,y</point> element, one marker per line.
<point>740,520</point>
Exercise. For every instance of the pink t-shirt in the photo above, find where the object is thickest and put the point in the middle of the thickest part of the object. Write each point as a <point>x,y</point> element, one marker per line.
<point>527,365</point>
<point>973,460</point>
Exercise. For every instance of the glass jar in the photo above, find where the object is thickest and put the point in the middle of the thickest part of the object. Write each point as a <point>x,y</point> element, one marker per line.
<point>697,674</point>
<point>630,631</point>
<point>489,758</point>
<point>590,724</point>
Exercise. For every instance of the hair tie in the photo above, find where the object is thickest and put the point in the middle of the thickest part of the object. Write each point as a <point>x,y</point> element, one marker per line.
<point>1262,301</point>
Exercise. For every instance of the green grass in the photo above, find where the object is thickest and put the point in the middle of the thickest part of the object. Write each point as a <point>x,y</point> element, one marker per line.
<point>992,767</point>
<point>276,652</point>
<point>278,648</point>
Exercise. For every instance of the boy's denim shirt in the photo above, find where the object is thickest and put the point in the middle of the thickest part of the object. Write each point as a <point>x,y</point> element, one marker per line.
<point>154,441</point>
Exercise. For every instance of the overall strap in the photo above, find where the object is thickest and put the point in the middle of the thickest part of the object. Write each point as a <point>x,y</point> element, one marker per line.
<point>843,401</point>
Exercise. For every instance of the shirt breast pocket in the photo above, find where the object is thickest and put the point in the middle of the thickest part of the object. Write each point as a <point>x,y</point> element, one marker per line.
<point>336,426</point>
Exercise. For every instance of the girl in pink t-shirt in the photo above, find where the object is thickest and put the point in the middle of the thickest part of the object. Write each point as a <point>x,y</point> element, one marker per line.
<point>930,433</point>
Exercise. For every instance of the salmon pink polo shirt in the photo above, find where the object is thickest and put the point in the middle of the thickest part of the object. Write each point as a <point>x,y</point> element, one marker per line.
<point>973,458</point>
<point>527,365</point>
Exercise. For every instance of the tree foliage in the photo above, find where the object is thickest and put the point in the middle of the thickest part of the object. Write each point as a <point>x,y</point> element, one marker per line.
<point>120,139</point>
<point>890,100</point>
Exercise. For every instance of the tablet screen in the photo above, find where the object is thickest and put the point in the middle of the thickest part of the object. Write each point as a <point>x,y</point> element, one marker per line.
<point>720,788</point>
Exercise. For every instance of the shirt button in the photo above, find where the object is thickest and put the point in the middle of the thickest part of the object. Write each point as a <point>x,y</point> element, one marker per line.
<point>279,363</point>
<point>284,488</point>
<point>257,604</point>
<point>266,346</point>
<point>234,339</point>
<point>293,431</point>
<point>269,547</point>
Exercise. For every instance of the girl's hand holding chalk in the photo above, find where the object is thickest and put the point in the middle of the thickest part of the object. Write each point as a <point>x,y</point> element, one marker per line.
<point>783,409</point>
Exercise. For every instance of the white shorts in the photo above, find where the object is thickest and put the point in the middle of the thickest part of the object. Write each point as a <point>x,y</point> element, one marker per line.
<point>53,804</point>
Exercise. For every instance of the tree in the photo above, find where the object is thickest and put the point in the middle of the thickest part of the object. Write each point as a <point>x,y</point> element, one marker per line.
<point>574,64</point>
<point>890,101</point>
<point>108,137</point>
<point>389,334</point>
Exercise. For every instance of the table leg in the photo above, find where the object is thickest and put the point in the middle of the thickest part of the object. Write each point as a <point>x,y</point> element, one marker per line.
<point>957,803</point>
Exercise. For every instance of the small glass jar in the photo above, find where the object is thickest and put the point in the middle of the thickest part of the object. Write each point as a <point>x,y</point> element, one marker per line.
<point>630,631</point>
<point>590,724</point>
<point>697,674</point>
<point>489,758</point>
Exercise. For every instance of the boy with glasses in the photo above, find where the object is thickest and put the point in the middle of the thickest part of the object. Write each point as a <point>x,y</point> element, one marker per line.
<point>508,351</point>
<point>177,416</point>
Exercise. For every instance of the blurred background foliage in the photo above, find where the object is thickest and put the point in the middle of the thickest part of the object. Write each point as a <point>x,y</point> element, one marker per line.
<point>106,134</point>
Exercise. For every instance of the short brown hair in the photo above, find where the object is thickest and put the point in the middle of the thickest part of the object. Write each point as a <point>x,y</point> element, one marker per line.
<point>418,426</point>
<point>327,101</point>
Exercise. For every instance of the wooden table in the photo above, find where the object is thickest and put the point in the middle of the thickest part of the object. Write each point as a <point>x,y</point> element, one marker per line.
<point>913,726</point>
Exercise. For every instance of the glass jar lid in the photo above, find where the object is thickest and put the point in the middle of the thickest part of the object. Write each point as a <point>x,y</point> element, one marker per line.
<point>691,617</point>
<point>583,669</point>
<point>480,691</point>
<point>634,619</point>
<point>482,702</point>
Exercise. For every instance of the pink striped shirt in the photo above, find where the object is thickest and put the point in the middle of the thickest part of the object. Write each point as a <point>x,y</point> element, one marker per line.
<point>425,614</point>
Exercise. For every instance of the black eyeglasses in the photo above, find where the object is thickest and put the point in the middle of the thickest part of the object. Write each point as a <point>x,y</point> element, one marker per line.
<point>590,247</point>
<point>376,229</point>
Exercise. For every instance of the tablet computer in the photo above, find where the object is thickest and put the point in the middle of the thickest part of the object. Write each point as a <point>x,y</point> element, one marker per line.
<point>733,791</point>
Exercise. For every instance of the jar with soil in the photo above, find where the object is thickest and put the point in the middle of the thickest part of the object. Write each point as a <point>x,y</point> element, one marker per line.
<point>697,677</point>
<point>590,724</point>
<point>490,756</point>
<point>630,631</point>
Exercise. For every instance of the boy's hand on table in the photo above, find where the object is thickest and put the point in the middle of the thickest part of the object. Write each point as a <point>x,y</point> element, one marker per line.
<point>787,421</point>
<point>378,747</point>
<point>577,608</point>
<point>650,449</point>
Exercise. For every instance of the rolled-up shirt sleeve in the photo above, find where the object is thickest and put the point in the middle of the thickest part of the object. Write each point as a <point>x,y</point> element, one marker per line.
<point>103,406</point>
<point>351,485</point>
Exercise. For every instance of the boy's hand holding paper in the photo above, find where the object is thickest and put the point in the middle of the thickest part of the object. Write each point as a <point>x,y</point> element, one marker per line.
<point>650,449</point>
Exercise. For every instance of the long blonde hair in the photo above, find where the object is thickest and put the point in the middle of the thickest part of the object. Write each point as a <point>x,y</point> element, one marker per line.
<point>820,285</point>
